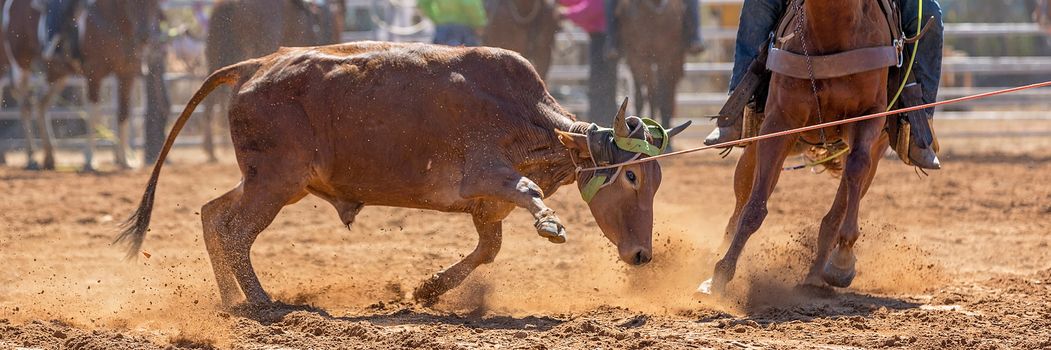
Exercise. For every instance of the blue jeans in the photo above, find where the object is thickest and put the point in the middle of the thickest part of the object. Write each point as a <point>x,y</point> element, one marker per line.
<point>759,17</point>
<point>455,35</point>
<point>59,21</point>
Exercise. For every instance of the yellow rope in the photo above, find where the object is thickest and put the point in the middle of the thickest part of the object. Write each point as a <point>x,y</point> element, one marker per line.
<point>829,158</point>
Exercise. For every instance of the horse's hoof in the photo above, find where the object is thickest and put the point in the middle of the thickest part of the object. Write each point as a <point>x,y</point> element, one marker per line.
<point>33,166</point>
<point>552,230</point>
<point>838,277</point>
<point>706,287</point>
<point>425,295</point>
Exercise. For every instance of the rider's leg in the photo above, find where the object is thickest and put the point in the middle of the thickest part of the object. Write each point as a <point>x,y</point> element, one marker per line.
<point>927,71</point>
<point>758,19</point>
<point>53,24</point>
<point>602,80</point>
<point>691,26</point>
<point>612,30</point>
<point>73,7</point>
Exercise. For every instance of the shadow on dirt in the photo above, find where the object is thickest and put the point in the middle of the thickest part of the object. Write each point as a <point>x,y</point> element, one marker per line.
<point>804,307</point>
<point>996,158</point>
<point>404,314</point>
<point>412,316</point>
<point>275,312</point>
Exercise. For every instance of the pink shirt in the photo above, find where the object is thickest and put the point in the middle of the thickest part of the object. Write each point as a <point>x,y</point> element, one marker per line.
<point>589,15</point>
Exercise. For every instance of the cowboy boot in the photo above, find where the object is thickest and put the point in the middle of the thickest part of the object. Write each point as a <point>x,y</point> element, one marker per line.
<point>727,131</point>
<point>922,145</point>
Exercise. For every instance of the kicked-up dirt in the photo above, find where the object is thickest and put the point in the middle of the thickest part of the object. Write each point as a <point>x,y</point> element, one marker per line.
<point>959,259</point>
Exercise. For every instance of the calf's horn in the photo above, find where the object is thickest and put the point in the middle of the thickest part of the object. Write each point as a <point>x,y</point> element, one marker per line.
<point>676,130</point>
<point>620,124</point>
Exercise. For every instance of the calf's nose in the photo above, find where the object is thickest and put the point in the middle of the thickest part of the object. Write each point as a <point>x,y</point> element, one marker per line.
<point>641,257</point>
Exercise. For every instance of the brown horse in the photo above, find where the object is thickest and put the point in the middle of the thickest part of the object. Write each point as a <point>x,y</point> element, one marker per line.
<point>23,48</point>
<point>244,29</point>
<point>4,67</point>
<point>1042,14</point>
<point>828,27</point>
<point>525,26</point>
<point>114,33</point>
<point>651,41</point>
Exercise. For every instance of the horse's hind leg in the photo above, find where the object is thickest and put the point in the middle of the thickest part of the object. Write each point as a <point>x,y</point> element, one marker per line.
<point>22,94</point>
<point>92,97</point>
<point>124,85</point>
<point>839,271</point>
<point>43,126</point>
<point>490,234</point>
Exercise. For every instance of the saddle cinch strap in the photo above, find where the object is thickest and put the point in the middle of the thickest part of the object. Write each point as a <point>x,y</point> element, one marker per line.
<point>839,64</point>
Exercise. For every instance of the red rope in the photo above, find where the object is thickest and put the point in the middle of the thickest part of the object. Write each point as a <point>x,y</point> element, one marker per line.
<point>825,125</point>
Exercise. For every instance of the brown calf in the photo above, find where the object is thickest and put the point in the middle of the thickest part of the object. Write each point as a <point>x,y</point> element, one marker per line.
<point>467,130</point>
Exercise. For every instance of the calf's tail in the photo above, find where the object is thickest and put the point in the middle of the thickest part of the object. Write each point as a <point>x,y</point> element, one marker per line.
<point>134,229</point>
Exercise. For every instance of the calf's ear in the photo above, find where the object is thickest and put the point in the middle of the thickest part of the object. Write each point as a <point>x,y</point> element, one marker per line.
<point>575,142</point>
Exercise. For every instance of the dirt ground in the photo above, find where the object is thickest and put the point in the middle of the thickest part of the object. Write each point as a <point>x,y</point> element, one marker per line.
<point>959,259</point>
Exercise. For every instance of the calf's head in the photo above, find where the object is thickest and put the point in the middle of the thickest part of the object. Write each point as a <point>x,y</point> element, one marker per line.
<point>621,198</point>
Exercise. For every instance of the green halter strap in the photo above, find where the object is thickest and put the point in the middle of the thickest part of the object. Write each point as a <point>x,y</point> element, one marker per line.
<point>633,145</point>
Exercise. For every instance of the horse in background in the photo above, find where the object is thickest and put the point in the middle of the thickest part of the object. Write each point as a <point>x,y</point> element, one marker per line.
<point>651,38</point>
<point>23,49</point>
<point>114,34</point>
<point>242,29</point>
<point>524,26</point>
<point>5,66</point>
<point>1042,14</point>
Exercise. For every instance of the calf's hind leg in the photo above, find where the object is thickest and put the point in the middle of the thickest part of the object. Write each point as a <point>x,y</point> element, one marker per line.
<point>231,224</point>
<point>490,235</point>
<point>275,168</point>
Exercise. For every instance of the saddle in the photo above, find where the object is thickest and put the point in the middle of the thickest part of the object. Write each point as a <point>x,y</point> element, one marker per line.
<point>797,65</point>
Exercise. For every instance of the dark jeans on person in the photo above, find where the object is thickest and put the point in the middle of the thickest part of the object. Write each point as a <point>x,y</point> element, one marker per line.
<point>455,35</point>
<point>928,66</point>
<point>691,23</point>
<point>759,17</point>
<point>602,80</point>
<point>60,20</point>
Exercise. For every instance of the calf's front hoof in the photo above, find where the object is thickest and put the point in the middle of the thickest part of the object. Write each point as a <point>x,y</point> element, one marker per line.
<point>552,230</point>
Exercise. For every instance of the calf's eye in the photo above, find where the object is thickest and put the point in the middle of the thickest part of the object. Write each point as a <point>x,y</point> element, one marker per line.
<point>630,175</point>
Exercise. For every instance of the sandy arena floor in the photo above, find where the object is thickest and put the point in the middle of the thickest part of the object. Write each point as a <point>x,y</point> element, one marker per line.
<point>959,259</point>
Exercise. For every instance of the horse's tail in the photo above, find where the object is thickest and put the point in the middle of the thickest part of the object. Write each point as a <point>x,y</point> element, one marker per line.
<point>136,226</point>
